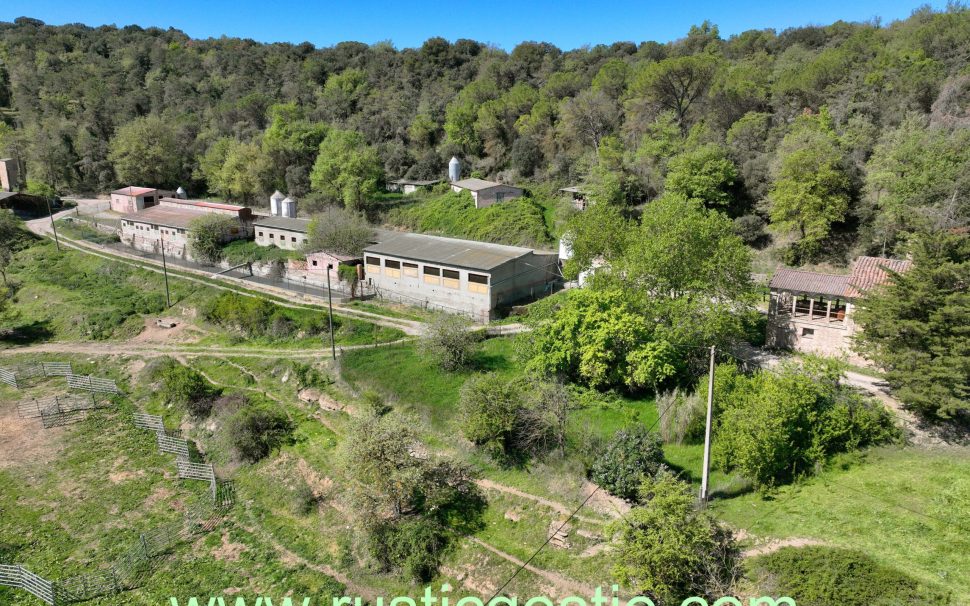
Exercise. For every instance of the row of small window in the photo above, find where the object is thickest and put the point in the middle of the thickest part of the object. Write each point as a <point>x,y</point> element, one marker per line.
<point>282,237</point>
<point>450,278</point>
<point>141,227</point>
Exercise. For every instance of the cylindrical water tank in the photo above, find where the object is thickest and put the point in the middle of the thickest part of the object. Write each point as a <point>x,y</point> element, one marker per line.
<point>274,203</point>
<point>454,169</point>
<point>288,208</point>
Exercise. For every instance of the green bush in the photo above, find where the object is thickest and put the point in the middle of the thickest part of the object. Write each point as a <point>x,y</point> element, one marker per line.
<point>184,386</point>
<point>257,317</point>
<point>821,576</point>
<point>775,426</point>
<point>256,430</point>
<point>413,546</point>
<point>449,343</point>
<point>669,549</point>
<point>631,455</point>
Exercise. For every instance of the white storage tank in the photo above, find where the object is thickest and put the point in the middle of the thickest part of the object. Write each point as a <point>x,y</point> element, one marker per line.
<point>288,208</point>
<point>454,170</point>
<point>274,203</point>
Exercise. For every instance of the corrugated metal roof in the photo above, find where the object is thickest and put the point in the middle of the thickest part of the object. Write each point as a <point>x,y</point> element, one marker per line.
<point>287,223</point>
<point>476,184</point>
<point>809,282</point>
<point>165,215</point>
<point>445,251</point>
<point>134,191</point>
<point>868,272</point>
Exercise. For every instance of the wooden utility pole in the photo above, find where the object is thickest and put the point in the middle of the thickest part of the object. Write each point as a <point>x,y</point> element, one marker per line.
<point>50,213</point>
<point>707,430</point>
<point>333,345</point>
<point>168,298</point>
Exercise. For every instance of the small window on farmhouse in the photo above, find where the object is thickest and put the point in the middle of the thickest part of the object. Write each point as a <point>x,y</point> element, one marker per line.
<point>373,265</point>
<point>451,278</point>
<point>314,262</point>
<point>432,275</point>
<point>270,235</point>
<point>293,239</point>
<point>260,234</point>
<point>392,268</point>
<point>808,333</point>
<point>411,270</point>
<point>478,283</point>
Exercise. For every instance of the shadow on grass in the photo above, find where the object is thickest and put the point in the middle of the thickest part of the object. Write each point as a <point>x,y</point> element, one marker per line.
<point>27,334</point>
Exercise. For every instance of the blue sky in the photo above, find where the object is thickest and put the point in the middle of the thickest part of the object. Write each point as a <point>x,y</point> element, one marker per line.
<point>566,23</point>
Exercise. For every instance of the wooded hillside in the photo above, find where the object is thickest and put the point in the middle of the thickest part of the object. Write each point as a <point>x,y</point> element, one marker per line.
<point>854,129</point>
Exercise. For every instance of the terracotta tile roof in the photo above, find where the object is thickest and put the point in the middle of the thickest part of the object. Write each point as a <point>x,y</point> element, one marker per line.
<point>809,282</point>
<point>868,272</point>
<point>204,204</point>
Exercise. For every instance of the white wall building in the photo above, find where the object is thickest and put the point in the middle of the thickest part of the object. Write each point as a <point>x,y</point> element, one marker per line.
<point>486,193</point>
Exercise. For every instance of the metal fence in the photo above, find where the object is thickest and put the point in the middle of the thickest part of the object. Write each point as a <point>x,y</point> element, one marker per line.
<point>34,408</point>
<point>15,376</point>
<point>147,421</point>
<point>89,383</point>
<point>21,578</point>
<point>9,377</point>
<point>172,444</point>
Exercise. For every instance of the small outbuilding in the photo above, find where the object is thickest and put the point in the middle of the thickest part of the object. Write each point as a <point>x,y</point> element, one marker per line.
<point>579,197</point>
<point>486,193</point>
<point>410,186</point>
<point>134,199</point>
<point>23,204</point>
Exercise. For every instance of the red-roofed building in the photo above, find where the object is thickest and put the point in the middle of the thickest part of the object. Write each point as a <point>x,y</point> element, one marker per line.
<point>134,199</point>
<point>812,311</point>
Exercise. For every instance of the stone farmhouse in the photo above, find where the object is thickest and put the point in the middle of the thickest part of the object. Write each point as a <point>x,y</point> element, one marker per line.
<point>812,311</point>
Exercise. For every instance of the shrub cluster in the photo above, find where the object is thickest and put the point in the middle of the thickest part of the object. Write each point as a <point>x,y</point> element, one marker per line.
<point>630,456</point>
<point>776,426</point>
<point>820,576</point>
<point>256,430</point>
<point>517,222</point>
<point>257,317</point>
<point>185,387</point>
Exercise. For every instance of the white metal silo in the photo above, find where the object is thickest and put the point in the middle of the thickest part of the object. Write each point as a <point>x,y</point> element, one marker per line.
<point>288,208</point>
<point>274,203</point>
<point>454,169</point>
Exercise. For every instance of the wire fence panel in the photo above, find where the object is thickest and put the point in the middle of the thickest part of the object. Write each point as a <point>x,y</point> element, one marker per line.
<point>86,586</point>
<point>176,446</point>
<point>59,418</point>
<point>89,383</point>
<point>195,471</point>
<point>37,585</point>
<point>31,409</point>
<point>10,576</point>
<point>57,369</point>
<point>30,371</point>
<point>147,421</point>
<point>9,377</point>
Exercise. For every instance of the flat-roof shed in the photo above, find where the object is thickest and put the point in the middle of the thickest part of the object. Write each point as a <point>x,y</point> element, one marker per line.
<point>485,193</point>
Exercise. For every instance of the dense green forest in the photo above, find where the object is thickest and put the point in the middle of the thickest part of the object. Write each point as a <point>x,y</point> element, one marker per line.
<point>840,137</point>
